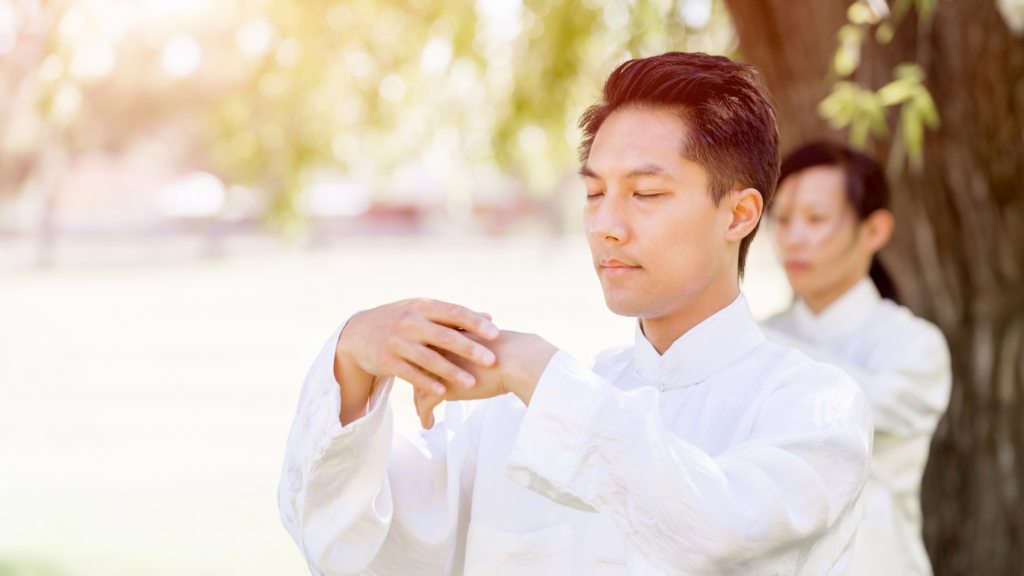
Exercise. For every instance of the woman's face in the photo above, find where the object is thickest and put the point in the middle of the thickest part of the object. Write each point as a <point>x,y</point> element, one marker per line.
<point>824,248</point>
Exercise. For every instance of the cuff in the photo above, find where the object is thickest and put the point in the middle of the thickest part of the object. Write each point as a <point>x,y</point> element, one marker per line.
<point>334,437</point>
<point>358,432</point>
<point>544,458</point>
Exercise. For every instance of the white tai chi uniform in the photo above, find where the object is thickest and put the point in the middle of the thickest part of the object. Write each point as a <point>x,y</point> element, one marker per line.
<point>902,363</point>
<point>726,455</point>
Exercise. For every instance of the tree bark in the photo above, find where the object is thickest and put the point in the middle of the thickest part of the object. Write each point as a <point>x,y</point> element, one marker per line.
<point>958,252</point>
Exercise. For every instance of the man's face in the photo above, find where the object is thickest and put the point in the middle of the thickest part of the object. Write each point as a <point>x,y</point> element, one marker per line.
<point>656,236</point>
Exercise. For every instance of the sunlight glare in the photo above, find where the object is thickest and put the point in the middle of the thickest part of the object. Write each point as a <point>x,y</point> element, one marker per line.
<point>181,56</point>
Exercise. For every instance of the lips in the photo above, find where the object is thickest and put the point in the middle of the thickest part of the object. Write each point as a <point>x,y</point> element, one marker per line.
<point>613,266</point>
<point>796,266</point>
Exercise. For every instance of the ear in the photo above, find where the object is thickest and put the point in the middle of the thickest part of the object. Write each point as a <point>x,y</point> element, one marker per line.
<point>877,229</point>
<point>745,207</point>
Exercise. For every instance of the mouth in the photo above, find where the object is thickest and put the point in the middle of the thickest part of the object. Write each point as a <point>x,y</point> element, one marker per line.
<point>797,266</point>
<point>617,267</point>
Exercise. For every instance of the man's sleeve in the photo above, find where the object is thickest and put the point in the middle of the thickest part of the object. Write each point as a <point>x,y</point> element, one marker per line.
<point>586,444</point>
<point>358,499</point>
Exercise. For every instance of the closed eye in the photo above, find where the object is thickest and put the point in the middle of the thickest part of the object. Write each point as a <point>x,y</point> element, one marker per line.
<point>649,194</point>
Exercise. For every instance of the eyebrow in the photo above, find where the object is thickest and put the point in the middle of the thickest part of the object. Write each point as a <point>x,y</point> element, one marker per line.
<point>645,170</point>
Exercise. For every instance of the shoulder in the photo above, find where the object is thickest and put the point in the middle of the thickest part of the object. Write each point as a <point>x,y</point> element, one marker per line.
<point>829,396</point>
<point>778,321</point>
<point>901,320</point>
<point>789,365</point>
<point>612,359</point>
<point>895,329</point>
<point>780,327</point>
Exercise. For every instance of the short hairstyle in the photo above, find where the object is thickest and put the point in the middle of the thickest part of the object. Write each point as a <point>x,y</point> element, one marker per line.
<point>732,132</point>
<point>866,191</point>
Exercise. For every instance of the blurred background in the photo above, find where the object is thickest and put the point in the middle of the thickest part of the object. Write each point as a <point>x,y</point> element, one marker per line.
<point>194,193</point>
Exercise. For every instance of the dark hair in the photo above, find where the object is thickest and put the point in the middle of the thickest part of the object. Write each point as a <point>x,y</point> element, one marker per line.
<point>732,131</point>
<point>866,191</point>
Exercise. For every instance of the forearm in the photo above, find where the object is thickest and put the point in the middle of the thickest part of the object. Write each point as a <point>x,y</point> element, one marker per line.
<point>330,495</point>
<point>333,471</point>
<point>588,445</point>
<point>527,365</point>
<point>354,382</point>
<point>355,385</point>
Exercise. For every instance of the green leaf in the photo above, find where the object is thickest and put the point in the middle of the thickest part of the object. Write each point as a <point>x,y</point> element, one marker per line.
<point>908,70</point>
<point>857,108</point>
<point>897,92</point>
<point>912,129</point>
<point>847,56</point>
<point>926,107</point>
<point>861,13</point>
<point>926,9</point>
<point>850,34</point>
<point>884,33</point>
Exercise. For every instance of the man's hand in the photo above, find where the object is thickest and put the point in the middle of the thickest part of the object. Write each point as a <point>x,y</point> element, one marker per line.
<point>406,339</point>
<point>521,359</point>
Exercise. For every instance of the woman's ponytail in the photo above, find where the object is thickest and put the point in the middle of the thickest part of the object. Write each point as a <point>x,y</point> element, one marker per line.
<point>879,275</point>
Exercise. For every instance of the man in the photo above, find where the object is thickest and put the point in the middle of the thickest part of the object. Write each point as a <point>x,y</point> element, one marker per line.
<point>701,449</point>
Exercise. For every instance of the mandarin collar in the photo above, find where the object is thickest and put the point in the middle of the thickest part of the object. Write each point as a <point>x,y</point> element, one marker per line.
<point>842,317</point>
<point>718,341</point>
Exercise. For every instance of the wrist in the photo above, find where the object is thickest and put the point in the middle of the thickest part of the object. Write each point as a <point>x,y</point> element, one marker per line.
<point>345,365</point>
<point>343,350</point>
<point>526,373</point>
<point>354,383</point>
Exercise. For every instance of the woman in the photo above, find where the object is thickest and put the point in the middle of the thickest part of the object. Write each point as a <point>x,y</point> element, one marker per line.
<point>831,218</point>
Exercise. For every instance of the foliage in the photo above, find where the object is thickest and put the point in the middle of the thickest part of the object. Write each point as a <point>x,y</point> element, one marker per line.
<point>460,102</point>
<point>864,111</point>
<point>472,99</point>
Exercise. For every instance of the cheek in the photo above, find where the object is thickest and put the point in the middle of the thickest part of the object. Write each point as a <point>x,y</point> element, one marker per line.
<point>826,241</point>
<point>831,255</point>
<point>684,247</point>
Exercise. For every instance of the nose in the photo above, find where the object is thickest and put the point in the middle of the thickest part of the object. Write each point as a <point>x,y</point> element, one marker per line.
<point>607,221</point>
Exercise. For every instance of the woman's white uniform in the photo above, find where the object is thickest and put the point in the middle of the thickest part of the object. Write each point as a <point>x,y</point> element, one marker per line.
<point>902,364</point>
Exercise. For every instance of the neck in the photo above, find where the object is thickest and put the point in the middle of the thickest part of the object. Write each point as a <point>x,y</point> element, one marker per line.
<point>822,299</point>
<point>662,331</point>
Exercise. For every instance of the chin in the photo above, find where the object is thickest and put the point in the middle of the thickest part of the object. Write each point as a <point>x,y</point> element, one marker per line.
<point>627,304</point>
<point>799,284</point>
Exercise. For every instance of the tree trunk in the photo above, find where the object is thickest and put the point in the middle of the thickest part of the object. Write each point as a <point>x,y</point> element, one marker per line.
<point>958,252</point>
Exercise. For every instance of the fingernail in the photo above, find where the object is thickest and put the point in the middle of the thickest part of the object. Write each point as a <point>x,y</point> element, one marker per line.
<point>487,357</point>
<point>491,331</point>
<point>439,390</point>
<point>466,380</point>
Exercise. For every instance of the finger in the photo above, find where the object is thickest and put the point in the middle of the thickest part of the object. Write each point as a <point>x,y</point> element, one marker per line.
<point>429,360</point>
<point>459,317</point>
<point>449,340</point>
<point>486,315</point>
<point>419,380</point>
<point>425,417</point>
<point>417,401</point>
<point>426,410</point>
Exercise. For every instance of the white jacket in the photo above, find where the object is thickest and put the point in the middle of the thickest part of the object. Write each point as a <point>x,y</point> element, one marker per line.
<point>902,363</point>
<point>726,455</point>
